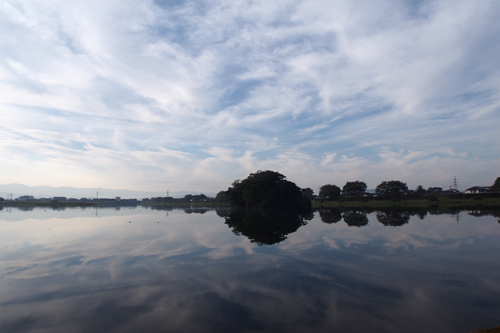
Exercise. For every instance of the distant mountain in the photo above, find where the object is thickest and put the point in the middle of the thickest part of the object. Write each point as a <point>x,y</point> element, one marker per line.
<point>73,192</point>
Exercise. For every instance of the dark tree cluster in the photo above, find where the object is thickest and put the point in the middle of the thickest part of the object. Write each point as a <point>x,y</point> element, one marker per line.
<point>354,189</point>
<point>267,190</point>
<point>496,186</point>
<point>391,188</point>
<point>329,192</point>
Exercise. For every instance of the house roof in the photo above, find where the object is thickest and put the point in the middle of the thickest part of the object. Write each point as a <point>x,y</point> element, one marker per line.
<point>478,188</point>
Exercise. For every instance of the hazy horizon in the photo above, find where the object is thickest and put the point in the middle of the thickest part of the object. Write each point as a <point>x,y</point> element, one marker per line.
<point>49,191</point>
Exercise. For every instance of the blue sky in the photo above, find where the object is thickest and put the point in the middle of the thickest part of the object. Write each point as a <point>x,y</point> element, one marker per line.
<point>191,95</point>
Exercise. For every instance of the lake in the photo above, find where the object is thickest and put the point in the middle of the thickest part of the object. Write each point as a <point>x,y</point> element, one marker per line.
<point>137,269</point>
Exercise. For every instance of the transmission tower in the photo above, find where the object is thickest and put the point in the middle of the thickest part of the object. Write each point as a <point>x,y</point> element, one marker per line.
<point>455,183</point>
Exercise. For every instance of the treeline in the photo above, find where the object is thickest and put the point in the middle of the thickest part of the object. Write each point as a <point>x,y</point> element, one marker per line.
<point>392,189</point>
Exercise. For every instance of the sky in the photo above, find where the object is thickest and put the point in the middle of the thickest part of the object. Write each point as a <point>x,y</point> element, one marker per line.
<point>192,95</point>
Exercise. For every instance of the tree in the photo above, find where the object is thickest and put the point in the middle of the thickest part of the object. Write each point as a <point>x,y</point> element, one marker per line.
<point>496,186</point>
<point>267,190</point>
<point>329,192</point>
<point>221,197</point>
<point>391,188</point>
<point>420,190</point>
<point>433,190</point>
<point>308,193</point>
<point>354,189</point>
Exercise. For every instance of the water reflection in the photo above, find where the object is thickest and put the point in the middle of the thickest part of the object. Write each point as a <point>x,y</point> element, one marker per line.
<point>393,218</point>
<point>73,271</point>
<point>355,218</point>
<point>265,227</point>
<point>330,216</point>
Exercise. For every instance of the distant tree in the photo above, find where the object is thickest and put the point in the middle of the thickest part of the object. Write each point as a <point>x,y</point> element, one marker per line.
<point>221,197</point>
<point>391,188</point>
<point>433,190</point>
<point>308,193</point>
<point>267,190</point>
<point>2,199</point>
<point>496,186</point>
<point>329,191</point>
<point>188,197</point>
<point>420,190</point>
<point>354,189</point>
<point>198,197</point>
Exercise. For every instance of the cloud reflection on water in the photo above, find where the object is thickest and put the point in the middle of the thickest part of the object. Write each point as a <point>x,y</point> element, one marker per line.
<point>190,273</point>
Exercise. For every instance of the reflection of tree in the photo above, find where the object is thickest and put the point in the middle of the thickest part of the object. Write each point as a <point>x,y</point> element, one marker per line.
<point>222,212</point>
<point>393,218</point>
<point>195,210</point>
<point>167,208</point>
<point>330,215</point>
<point>264,227</point>
<point>421,214</point>
<point>495,213</point>
<point>355,218</point>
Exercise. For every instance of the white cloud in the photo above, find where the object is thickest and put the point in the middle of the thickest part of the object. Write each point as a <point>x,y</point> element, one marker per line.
<point>129,92</point>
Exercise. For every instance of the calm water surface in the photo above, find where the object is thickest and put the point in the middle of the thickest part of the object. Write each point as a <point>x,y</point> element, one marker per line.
<point>136,269</point>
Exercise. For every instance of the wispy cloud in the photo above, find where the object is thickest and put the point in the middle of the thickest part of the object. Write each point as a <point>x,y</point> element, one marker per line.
<point>139,94</point>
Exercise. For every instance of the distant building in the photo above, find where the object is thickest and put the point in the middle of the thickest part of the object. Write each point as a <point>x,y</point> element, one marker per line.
<point>447,192</point>
<point>26,198</point>
<point>60,198</point>
<point>477,190</point>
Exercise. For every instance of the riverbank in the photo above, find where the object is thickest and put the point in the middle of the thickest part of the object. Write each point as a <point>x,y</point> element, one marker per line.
<point>179,204</point>
<point>416,203</point>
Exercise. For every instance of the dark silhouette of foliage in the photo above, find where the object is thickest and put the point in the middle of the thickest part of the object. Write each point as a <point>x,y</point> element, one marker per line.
<point>496,186</point>
<point>354,189</point>
<point>222,212</point>
<point>391,188</point>
<point>267,190</point>
<point>355,219</point>
<point>308,193</point>
<point>393,218</point>
<point>330,215</point>
<point>432,190</point>
<point>421,214</point>
<point>221,197</point>
<point>264,227</point>
<point>329,192</point>
<point>420,190</point>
